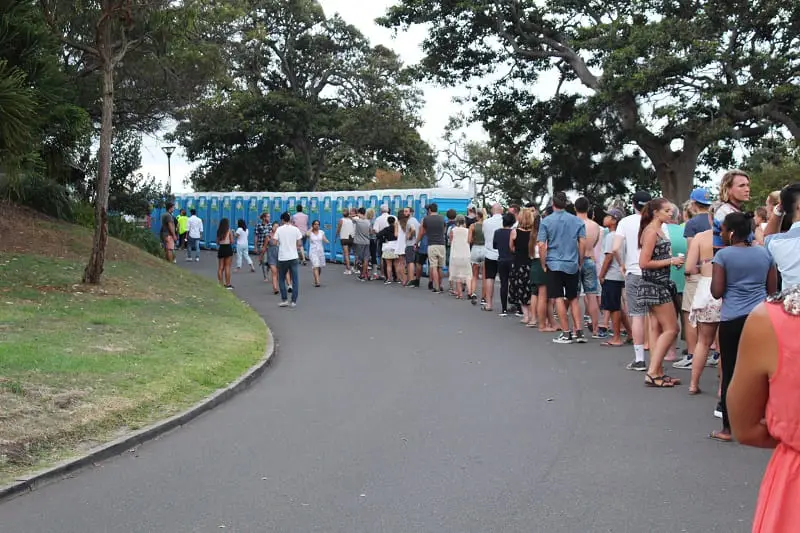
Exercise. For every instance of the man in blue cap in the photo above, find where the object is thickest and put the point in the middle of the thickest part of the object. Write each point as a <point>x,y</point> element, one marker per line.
<point>701,201</point>
<point>700,222</point>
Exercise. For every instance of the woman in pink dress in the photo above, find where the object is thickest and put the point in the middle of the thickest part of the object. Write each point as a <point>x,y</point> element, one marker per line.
<point>764,406</point>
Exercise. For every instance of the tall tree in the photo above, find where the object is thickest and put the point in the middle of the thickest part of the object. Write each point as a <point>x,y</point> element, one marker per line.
<point>676,78</point>
<point>101,38</point>
<point>309,104</point>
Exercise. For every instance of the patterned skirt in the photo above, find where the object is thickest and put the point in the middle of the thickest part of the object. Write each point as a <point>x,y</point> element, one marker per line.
<point>652,293</point>
<point>519,284</point>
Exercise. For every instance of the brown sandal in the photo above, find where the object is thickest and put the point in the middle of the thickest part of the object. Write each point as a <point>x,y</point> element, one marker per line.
<point>658,382</point>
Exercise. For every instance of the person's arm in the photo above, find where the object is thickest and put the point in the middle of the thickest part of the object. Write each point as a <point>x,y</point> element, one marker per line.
<point>693,258</point>
<point>581,244</point>
<point>759,236</point>
<point>773,223</point>
<point>421,233</point>
<point>470,233</point>
<point>512,237</point>
<point>749,390</point>
<point>646,260</point>
<point>338,229</point>
<point>772,280</point>
<point>619,241</point>
<point>541,242</point>
<point>324,238</point>
<point>718,281</point>
<point>607,259</point>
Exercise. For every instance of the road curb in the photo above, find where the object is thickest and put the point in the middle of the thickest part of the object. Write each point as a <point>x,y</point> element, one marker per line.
<point>122,444</point>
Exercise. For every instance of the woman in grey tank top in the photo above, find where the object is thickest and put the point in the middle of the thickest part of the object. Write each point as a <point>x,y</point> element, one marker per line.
<point>477,242</point>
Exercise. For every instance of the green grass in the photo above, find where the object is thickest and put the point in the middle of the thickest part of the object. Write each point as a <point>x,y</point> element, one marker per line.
<point>80,365</point>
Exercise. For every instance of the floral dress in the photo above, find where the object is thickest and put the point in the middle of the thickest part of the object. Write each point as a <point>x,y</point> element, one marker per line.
<point>656,287</point>
<point>519,282</point>
<point>316,251</point>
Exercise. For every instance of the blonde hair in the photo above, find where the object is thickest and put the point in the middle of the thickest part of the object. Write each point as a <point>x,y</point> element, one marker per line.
<point>688,208</point>
<point>481,213</point>
<point>525,220</point>
<point>774,198</point>
<point>727,182</point>
<point>370,214</point>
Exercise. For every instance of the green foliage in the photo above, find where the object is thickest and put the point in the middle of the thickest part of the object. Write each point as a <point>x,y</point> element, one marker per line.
<point>308,104</point>
<point>772,168</point>
<point>119,228</point>
<point>683,81</point>
<point>37,192</point>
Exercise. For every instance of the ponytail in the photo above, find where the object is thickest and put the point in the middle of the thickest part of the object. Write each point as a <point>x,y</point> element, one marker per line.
<point>532,242</point>
<point>648,213</point>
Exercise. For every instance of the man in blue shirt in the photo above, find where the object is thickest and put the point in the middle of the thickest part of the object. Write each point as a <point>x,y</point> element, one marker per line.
<point>560,240</point>
<point>701,201</point>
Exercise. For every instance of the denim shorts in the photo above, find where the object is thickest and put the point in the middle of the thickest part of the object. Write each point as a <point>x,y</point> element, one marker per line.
<point>589,281</point>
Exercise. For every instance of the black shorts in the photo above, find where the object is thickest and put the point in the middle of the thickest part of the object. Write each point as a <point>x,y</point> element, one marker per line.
<point>225,250</point>
<point>422,258</point>
<point>491,268</point>
<point>562,285</point>
<point>611,297</point>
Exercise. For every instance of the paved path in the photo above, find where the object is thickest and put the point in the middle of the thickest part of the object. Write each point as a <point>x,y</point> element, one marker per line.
<point>395,410</point>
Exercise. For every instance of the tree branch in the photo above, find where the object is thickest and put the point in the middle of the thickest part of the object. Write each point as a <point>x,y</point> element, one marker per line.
<point>51,22</point>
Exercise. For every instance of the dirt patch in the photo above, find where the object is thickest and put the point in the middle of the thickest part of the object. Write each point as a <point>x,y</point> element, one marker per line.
<point>23,230</point>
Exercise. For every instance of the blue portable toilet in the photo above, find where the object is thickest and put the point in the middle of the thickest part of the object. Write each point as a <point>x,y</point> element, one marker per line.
<point>423,202</point>
<point>252,208</point>
<point>189,204</point>
<point>291,204</point>
<point>276,208</point>
<point>178,205</point>
<point>360,202</point>
<point>214,216</point>
<point>239,211</point>
<point>397,204</point>
<point>338,207</point>
<point>350,202</point>
<point>373,204</point>
<point>303,200</point>
<point>226,210</point>
<point>313,210</point>
<point>325,203</point>
<point>386,200</point>
<point>451,199</point>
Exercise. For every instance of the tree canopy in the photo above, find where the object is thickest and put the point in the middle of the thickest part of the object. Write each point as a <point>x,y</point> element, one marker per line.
<point>683,81</point>
<point>307,103</point>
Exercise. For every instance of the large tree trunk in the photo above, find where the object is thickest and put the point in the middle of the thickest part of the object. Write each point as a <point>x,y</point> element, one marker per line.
<point>94,270</point>
<point>675,169</point>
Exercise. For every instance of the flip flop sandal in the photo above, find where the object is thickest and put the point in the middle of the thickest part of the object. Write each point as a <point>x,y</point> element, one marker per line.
<point>657,382</point>
<point>612,345</point>
<point>695,392</point>
<point>488,309</point>
<point>529,325</point>
<point>674,381</point>
<point>717,436</point>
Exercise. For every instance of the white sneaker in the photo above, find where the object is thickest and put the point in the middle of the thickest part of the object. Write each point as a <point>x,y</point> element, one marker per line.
<point>293,305</point>
<point>685,363</point>
<point>196,259</point>
<point>283,304</point>
<point>347,272</point>
<point>188,259</point>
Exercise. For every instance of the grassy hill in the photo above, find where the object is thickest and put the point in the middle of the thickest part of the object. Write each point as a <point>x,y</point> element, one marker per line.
<point>81,365</point>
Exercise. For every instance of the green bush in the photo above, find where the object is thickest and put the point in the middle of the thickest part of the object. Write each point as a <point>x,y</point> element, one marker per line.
<point>83,214</point>
<point>131,233</point>
<point>38,193</point>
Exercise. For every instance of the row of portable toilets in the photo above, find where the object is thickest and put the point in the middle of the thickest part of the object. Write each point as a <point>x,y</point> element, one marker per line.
<point>326,207</point>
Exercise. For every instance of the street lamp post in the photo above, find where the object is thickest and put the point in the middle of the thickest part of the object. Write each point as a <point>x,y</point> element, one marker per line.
<point>168,150</point>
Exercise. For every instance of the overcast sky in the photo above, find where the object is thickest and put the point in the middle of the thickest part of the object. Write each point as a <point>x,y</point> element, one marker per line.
<point>438,101</point>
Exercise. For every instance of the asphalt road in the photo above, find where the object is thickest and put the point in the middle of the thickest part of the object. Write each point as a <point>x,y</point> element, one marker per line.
<point>396,410</point>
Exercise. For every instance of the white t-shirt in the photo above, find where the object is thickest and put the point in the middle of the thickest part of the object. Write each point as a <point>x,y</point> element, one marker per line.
<point>287,237</point>
<point>492,224</point>
<point>241,237</point>
<point>381,223</point>
<point>195,227</point>
<point>628,229</point>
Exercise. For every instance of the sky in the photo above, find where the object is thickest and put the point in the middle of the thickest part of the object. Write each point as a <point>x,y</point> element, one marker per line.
<point>438,101</point>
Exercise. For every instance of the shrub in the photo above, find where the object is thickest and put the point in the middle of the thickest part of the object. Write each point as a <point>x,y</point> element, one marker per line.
<point>38,193</point>
<point>131,233</point>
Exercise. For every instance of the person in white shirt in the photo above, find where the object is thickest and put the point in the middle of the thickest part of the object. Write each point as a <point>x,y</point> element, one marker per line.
<point>243,246</point>
<point>381,223</point>
<point>300,221</point>
<point>290,241</point>
<point>491,225</point>
<point>626,243</point>
<point>195,225</point>
<point>412,230</point>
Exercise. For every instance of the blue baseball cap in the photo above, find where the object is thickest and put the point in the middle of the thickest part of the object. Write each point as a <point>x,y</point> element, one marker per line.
<point>701,196</point>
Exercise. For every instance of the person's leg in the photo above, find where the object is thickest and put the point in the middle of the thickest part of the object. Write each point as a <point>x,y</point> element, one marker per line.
<point>283,268</point>
<point>249,259</point>
<point>365,265</point>
<point>665,316</point>
<point>274,273</point>
<point>400,268</point>
<point>545,324</point>
<point>504,270</point>
<point>294,271</point>
<point>473,282</point>
<point>489,273</point>
<point>730,332</point>
<point>616,322</point>
<point>346,256</point>
<point>238,258</point>
<point>315,275</point>
<point>228,262</point>
<point>264,267</point>
<point>591,288</point>
<point>220,269</point>
<point>705,338</point>
<point>196,249</point>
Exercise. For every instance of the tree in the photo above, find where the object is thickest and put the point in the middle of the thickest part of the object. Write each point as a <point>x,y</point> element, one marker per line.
<point>309,103</point>
<point>772,167</point>
<point>678,79</point>
<point>103,37</point>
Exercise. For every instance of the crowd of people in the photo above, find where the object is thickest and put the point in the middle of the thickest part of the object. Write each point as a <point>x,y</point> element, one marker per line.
<point>705,272</point>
